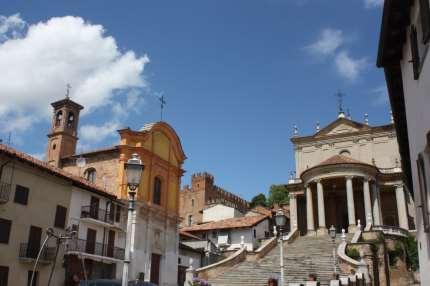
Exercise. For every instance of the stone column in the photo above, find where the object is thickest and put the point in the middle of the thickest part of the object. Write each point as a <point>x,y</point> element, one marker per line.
<point>401,207</point>
<point>322,229</point>
<point>367,201</point>
<point>310,211</point>
<point>293,212</point>
<point>377,218</point>
<point>350,204</point>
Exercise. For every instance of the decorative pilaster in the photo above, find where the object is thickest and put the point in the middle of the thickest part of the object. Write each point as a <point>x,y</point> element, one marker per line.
<point>367,202</point>
<point>293,212</point>
<point>377,218</point>
<point>401,207</point>
<point>322,229</point>
<point>310,210</point>
<point>350,204</point>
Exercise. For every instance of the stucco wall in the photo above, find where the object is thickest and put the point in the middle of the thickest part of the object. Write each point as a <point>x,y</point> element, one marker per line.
<point>417,104</point>
<point>186,255</point>
<point>45,193</point>
<point>220,212</point>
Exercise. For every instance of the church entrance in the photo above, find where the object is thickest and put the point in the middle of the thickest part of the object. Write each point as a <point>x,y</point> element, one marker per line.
<point>336,210</point>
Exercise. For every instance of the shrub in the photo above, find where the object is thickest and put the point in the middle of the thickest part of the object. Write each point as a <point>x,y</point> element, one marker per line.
<point>199,282</point>
<point>412,253</point>
<point>353,253</point>
<point>395,253</point>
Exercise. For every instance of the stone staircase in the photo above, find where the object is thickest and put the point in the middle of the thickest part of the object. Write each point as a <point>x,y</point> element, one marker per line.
<point>306,255</point>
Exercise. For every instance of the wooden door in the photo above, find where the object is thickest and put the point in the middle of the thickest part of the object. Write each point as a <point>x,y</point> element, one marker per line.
<point>34,239</point>
<point>155,268</point>
<point>111,243</point>
<point>91,241</point>
<point>94,207</point>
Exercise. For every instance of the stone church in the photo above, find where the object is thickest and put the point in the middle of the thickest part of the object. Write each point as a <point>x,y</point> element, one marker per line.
<point>155,253</point>
<point>348,171</point>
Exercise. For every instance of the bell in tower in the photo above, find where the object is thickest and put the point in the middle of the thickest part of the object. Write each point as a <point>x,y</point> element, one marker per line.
<point>63,137</point>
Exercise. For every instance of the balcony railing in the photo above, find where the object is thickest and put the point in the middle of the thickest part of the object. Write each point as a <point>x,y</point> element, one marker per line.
<point>29,252</point>
<point>97,214</point>
<point>4,192</point>
<point>96,248</point>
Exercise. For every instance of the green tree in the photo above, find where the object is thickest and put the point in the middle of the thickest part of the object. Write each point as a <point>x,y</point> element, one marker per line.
<point>278,194</point>
<point>258,200</point>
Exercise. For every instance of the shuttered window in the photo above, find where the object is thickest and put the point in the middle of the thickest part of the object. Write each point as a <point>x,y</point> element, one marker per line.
<point>425,19</point>
<point>5,226</point>
<point>21,195</point>
<point>414,52</point>
<point>60,217</point>
<point>118,213</point>
<point>4,274</point>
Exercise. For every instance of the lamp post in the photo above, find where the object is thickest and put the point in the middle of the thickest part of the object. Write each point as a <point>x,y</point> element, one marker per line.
<point>280,221</point>
<point>133,169</point>
<point>332,232</point>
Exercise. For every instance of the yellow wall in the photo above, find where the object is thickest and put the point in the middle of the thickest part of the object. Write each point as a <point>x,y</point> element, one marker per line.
<point>161,153</point>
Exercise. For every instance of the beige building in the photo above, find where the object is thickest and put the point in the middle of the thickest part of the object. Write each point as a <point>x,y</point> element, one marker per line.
<point>35,196</point>
<point>348,171</point>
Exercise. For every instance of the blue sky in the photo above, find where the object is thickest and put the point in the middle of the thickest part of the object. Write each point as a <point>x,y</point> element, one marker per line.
<point>237,75</point>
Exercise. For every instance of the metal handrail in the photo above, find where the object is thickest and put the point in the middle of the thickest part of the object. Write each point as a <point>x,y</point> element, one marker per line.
<point>97,214</point>
<point>28,251</point>
<point>392,230</point>
<point>96,248</point>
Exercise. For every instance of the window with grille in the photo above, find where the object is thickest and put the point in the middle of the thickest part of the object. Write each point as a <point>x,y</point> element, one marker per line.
<point>157,191</point>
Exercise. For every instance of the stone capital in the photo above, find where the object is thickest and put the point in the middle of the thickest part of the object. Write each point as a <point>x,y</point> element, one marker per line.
<point>367,178</point>
<point>349,177</point>
<point>318,181</point>
<point>399,186</point>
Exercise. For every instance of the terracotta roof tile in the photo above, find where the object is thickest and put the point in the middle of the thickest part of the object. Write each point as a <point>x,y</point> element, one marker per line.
<point>240,222</point>
<point>340,159</point>
<point>78,181</point>
<point>188,235</point>
<point>262,210</point>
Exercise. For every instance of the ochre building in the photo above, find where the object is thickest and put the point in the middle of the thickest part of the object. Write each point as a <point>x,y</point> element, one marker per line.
<point>155,253</point>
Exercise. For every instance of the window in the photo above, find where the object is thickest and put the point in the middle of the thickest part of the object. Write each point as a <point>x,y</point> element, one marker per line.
<point>5,226</point>
<point>255,233</point>
<point>21,195</point>
<point>70,120</point>
<point>36,276</point>
<point>91,241</point>
<point>118,213</point>
<point>157,191</point>
<point>423,192</point>
<point>425,19</point>
<point>58,118</point>
<point>345,153</point>
<point>192,202</point>
<point>190,220</point>
<point>60,217</point>
<point>4,274</point>
<point>213,234</point>
<point>90,174</point>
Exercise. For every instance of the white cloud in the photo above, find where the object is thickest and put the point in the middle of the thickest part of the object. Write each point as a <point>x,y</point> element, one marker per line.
<point>349,67</point>
<point>327,43</point>
<point>94,134</point>
<point>373,3</point>
<point>59,51</point>
<point>10,27</point>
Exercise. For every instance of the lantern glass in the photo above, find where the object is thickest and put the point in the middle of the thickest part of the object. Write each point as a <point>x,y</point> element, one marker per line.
<point>332,232</point>
<point>134,169</point>
<point>280,218</point>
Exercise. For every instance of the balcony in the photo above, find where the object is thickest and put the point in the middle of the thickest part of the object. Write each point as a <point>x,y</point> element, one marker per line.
<point>28,253</point>
<point>4,192</point>
<point>95,249</point>
<point>104,217</point>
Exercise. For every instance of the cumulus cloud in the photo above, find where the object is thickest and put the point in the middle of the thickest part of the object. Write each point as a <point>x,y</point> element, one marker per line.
<point>327,43</point>
<point>11,27</point>
<point>48,55</point>
<point>349,67</point>
<point>95,133</point>
<point>373,3</point>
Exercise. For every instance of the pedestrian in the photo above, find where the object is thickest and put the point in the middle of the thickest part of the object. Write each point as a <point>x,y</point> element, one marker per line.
<point>272,282</point>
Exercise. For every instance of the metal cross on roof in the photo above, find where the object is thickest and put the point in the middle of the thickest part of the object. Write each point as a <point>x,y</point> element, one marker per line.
<point>340,97</point>
<point>162,103</point>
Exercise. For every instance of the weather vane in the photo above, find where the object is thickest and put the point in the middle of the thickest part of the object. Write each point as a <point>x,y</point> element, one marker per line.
<point>68,87</point>
<point>162,103</point>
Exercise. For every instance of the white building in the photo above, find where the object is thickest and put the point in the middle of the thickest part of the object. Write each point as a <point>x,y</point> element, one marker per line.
<point>229,234</point>
<point>403,47</point>
<point>218,212</point>
<point>98,249</point>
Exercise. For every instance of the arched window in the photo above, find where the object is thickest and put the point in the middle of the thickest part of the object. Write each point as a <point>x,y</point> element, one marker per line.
<point>58,118</point>
<point>90,174</point>
<point>192,202</point>
<point>70,120</point>
<point>156,199</point>
<point>345,153</point>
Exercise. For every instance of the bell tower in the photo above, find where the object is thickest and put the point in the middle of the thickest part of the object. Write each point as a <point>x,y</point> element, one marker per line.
<point>63,138</point>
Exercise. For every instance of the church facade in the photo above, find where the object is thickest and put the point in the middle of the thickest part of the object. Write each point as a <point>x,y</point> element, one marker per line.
<point>348,171</point>
<point>155,252</point>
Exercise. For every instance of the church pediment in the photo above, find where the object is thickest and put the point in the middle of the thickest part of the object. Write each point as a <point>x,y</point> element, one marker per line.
<point>341,126</point>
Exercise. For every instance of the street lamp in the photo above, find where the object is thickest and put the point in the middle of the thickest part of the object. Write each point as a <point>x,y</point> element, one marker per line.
<point>133,170</point>
<point>280,221</point>
<point>332,232</point>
